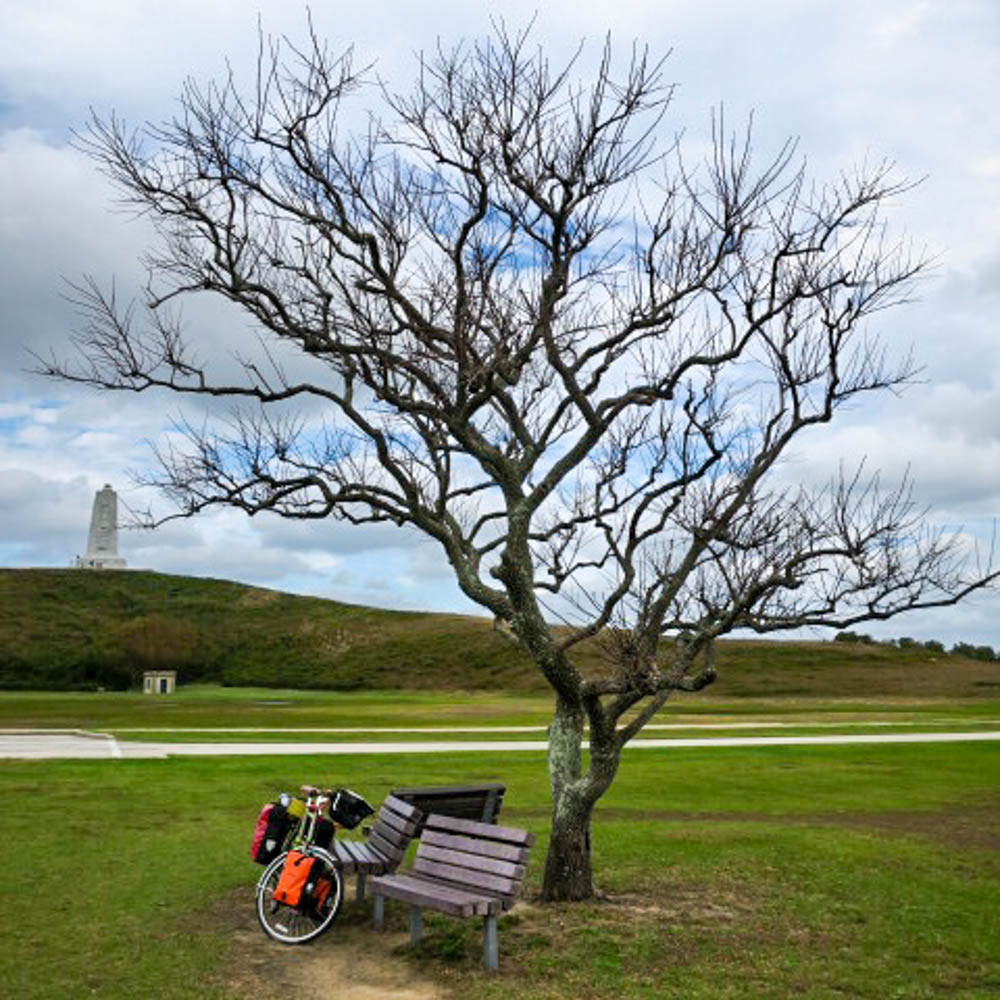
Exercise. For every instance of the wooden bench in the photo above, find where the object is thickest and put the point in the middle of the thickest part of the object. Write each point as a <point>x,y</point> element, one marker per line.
<point>476,802</point>
<point>463,868</point>
<point>396,824</point>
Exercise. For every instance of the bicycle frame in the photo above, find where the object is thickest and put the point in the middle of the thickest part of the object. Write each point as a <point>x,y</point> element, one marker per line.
<point>304,832</point>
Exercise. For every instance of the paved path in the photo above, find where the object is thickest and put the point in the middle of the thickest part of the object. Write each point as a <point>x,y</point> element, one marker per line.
<point>76,744</point>
<point>29,744</point>
<point>648,728</point>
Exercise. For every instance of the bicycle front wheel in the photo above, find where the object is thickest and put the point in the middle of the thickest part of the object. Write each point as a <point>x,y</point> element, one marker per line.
<point>292,924</point>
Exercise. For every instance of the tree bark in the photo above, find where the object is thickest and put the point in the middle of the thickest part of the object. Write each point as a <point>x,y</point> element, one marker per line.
<point>568,872</point>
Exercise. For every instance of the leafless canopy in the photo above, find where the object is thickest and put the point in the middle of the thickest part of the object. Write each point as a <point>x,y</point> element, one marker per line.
<point>549,342</point>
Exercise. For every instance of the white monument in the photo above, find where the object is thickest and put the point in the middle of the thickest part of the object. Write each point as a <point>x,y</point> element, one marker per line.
<point>102,542</point>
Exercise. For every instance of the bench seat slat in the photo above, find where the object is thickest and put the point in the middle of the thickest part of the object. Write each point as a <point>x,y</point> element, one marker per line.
<point>371,852</point>
<point>406,827</point>
<point>403,808</point>
<point>488,848</point>
<point>391,851</point>
<point>487,831</point>
<point>352,855</point>
<point>343,854</point>
<point>347,849</point>
<point>390,834</point>
<point>457,806</point>
<point>475,862</point>
<point>453,900</point>
<point>367,859</point>
<point>374,855</point>
<point>478,880</point>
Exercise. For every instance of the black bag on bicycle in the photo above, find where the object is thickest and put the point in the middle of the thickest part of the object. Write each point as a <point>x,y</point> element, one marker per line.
<point>348,809</point>
<point>323,832</point>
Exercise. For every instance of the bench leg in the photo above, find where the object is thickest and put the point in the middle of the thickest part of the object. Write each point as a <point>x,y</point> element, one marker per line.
<point>491,947</point>
<point>416,924</point>
<point>378,919</point>
<point>361,887</point>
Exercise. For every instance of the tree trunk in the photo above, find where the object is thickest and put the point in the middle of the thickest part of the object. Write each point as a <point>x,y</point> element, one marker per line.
<point>568,872</point>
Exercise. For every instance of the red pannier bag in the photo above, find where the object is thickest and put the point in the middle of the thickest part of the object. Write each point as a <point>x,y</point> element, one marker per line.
<point>269,833</point>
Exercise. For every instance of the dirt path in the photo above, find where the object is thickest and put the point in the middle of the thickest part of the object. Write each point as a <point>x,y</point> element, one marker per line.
<point>349,962</point>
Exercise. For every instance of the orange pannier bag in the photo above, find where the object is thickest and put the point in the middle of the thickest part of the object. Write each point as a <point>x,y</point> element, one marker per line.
<point>293,879</point>
<point>301,883</point>
<point>320,893</point>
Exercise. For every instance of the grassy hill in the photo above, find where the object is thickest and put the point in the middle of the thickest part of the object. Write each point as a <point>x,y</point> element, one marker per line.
<point>66,629</point>
<point>72,628</point>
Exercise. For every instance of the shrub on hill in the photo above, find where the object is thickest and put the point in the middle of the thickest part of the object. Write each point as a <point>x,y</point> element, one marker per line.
<point>983,653</point>
<point>73,629</point>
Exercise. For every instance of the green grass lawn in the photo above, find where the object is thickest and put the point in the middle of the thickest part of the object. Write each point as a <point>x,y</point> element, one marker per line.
<point>212,706</point>
<point>816,872</point>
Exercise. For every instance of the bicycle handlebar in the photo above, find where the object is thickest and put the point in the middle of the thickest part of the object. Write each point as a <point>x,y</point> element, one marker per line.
<point>310,790</point>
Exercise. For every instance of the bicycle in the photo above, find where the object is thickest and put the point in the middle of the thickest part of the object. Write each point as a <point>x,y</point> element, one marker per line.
<point>311,914</point>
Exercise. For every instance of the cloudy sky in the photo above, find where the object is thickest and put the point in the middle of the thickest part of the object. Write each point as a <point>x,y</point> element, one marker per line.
<point>915,81</point>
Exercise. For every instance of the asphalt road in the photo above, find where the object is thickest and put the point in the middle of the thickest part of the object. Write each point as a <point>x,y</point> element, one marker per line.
<point>35,745</point>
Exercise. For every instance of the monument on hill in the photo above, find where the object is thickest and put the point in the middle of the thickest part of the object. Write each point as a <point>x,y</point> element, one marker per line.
<point>102,542</point>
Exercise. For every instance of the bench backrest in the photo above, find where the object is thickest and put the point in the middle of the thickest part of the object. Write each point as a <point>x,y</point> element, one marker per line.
<point>475,856</point>
<point>476,802</point>
<point>396,824</point>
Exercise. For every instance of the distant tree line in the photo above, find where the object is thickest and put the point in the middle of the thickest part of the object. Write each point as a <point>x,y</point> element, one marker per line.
<point>966,649</point>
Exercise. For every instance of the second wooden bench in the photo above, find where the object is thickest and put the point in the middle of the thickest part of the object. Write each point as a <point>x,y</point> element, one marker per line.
<point>462,868</point>
<point>480,802</point>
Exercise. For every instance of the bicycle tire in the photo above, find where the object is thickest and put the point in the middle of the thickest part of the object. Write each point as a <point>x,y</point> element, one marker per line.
<point>288,924</point>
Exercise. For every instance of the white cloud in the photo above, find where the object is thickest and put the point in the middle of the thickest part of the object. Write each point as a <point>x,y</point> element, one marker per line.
<point>910,81</point>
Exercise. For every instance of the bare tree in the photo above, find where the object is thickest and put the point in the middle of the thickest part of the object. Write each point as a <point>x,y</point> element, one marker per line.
<point>547,342</point>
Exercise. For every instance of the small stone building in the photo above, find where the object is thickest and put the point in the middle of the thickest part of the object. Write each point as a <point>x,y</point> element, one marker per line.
<point>159,681</point>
